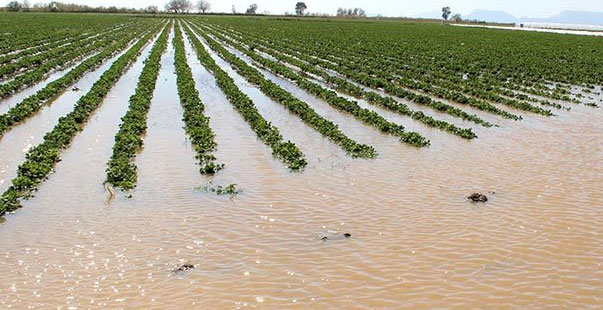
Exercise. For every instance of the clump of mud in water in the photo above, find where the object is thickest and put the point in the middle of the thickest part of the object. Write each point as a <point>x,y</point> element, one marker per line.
<point>477,197</point>
<point>184,267</point>
<point>338,237</point>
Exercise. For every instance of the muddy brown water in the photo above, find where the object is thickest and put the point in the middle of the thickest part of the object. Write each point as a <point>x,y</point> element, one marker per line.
<point>416,243</point>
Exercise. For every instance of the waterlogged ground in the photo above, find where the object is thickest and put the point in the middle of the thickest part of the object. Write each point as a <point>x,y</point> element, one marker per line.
<point>416,243</point>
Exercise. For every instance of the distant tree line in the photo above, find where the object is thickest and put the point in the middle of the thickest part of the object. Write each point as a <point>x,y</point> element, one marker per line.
<point>55,6</point>
<point>355,12</point>
<point>173,6</point>
<point>187,6</point>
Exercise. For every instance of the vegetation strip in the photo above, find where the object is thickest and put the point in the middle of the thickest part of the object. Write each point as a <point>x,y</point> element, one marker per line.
<point>389,88</point>
<point>121,169</point>
<point>50,46</point>
<point>40,160</point>
<point>196,124</point>
<point>371,97</point>
<point>286,151</point>
<point>35,102</point>
<point>467,65</point>
<point>33,30</point>
<point>444,89</point>
<point>27,63</point>
<point>40,72</point>
<point>294,105</point>
<point>331,97</point>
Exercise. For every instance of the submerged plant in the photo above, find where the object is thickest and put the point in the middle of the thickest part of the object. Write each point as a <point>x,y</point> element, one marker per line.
<point>230,189</point>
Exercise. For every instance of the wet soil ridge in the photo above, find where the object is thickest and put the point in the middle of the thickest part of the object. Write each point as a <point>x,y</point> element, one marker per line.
<point>40,160</point>
<point>121,169</point>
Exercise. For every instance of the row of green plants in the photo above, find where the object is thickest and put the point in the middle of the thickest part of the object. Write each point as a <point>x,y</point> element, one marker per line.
<point>378,77</point>
<point>379,83</point>
<point>480,64</point>
<point>343,85</point>
<point>436,83</point>
<point>36,49</point>
<point>40,160</point>
<point>33,61</point>
<point>30,105</point>
<point>327,128</point>
<point>365,115</point>
<point>121,169</point>
<point>30,30</point>
<point>286,151</point>
<point>73,55</point>
<point>443,89</point>
<point>510,74</point>
<point>196,124</point>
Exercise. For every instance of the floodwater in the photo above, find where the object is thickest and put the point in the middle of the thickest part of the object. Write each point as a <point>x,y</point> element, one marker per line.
<point>416,242</point>
<point>549,29</point>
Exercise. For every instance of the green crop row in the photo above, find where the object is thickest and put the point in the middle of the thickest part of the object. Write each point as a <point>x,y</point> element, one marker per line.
<point>27,63</point>
<point>40,160</point>
<point>121,169</point>
<point>286,151</point>
<point>41,72</point>
<point>46,95</point>
<point>331,97</point>
<point>446,87</point>
<point>196,124</point>
<point>483,68</point>
<point>391,89</point>
<point>343,85</point>
<point>294,105</point>
<point>24,31</point>
<point>36,49</point>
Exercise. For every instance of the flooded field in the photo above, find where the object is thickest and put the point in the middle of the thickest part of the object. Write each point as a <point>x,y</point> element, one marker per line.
<point>415,242</point>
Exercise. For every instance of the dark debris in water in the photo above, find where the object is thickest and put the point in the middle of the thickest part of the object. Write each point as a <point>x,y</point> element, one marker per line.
<point>184,267</point>
<point>477,197</point>
<point>220,190</point>
<point>337,237</point>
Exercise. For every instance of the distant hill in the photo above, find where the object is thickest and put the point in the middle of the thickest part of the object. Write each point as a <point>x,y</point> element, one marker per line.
<point>491,16</point>
<point>571,17</point>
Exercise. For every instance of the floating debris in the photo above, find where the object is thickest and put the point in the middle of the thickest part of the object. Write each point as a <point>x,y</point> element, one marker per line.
<point>184,267</point>
<point>338,237</point>
<point>477,197</point>
<point>230,189</point>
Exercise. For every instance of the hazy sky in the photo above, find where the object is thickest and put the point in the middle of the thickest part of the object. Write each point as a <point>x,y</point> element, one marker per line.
<point>519,8</point>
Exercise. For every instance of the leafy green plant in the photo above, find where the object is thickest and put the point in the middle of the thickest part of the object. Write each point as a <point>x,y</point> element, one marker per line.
<point>230,189</point>
<point>294,105</point>
<point>30,105</point>
<point>121,169</point>
<point>343,85</point>
<point>196,123</point>
<point>40,160</point>
<point>331,97</point>
<point>286,151</point>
